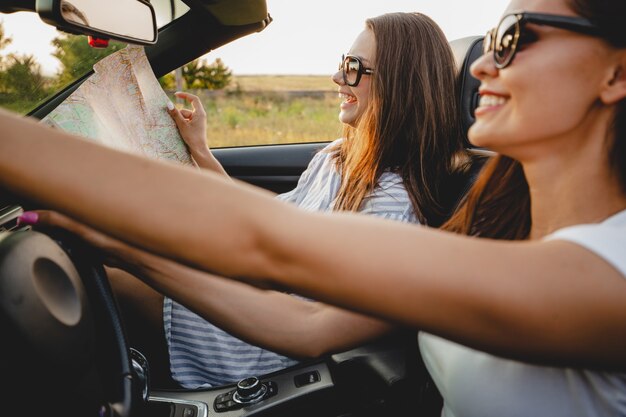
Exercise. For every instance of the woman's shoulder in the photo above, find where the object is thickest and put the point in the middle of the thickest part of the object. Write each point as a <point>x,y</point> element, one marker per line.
<point>331,149</point>
<point>334,143</point>
<point>607,239</point>
<point>613,225</point>
<point>390,180</point>
<point>327,152</point>
<point>319,177</point>
<point>390,199</point>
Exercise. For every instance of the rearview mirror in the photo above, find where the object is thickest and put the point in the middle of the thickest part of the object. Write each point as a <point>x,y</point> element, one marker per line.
<point>131,21</point>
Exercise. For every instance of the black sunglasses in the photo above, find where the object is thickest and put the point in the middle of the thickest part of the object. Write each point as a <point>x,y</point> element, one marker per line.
<point>352,69</point>
<point>503,40</point>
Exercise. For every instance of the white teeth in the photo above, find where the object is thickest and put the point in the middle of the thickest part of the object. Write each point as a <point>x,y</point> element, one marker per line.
<point>488,101</point>
<point>347,97</point>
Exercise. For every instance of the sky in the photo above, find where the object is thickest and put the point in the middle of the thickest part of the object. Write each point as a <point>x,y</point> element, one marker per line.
<point>304,38</point>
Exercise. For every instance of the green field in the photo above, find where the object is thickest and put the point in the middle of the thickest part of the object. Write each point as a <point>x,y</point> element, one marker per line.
<point>272,109</point>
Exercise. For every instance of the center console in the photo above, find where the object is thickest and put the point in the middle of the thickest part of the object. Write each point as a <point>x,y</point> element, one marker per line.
<point>248,397</point>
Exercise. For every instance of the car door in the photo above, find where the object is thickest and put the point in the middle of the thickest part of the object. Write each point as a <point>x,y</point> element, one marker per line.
<point>272,167</point>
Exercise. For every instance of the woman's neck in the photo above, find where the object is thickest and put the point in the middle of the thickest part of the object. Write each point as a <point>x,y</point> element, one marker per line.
<point>567,194</point>
<point>570,178</point>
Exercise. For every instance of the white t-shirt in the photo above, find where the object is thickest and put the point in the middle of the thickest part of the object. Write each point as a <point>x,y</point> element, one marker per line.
<point>477,384</point>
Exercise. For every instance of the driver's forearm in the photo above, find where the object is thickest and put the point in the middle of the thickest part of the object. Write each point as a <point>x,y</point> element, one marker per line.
<point>272,320</point>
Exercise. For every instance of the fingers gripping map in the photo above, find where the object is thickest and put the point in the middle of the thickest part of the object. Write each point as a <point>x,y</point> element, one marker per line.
<point>122,106</point>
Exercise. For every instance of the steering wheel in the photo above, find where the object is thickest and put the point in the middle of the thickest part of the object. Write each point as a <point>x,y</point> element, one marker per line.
<point>63,349</point>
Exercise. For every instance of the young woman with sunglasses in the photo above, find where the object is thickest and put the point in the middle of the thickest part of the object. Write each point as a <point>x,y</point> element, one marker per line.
<point>526,316</point>
<point>400,144</point>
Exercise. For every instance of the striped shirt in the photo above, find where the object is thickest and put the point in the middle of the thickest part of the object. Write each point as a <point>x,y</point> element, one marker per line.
<point>202,355</point>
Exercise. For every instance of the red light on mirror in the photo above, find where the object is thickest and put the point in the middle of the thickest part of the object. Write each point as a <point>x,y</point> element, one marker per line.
<point>98,42</point>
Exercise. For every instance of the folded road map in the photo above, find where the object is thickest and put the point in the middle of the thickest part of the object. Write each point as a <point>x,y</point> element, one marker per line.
<point>123,106</point>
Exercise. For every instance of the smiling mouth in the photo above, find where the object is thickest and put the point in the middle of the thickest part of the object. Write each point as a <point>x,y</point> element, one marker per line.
<point>347,98</point>
<point>492,101</point>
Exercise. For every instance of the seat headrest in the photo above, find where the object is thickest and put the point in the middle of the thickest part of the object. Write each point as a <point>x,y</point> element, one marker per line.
<point>466,51</point>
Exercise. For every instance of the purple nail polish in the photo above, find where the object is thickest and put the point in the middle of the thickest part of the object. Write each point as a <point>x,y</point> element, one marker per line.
<point>28,218</point>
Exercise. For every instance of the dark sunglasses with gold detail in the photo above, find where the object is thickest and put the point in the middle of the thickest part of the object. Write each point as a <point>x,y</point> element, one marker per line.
<point>504,39</point>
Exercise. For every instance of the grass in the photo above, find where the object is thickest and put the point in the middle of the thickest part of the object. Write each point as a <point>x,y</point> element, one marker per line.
<point>22,104</point>
<point>18,106</point>
<point>272,109</point>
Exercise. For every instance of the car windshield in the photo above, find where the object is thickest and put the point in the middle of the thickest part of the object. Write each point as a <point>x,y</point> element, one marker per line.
<point>37,61</point>
<point>265,89</point>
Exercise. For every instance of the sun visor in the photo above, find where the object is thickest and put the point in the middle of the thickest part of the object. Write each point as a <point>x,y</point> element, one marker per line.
<point>237,12</point>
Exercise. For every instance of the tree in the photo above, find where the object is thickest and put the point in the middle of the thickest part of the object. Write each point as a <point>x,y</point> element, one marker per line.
<point>198,74</point>
<point>4,40</point>
<point>23,78</point>
<point>77,57</point>
<point>168,82</point>
<point>21,82</point>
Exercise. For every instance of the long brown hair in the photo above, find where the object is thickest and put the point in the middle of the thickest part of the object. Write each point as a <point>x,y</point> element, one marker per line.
<point>609,16</point>
<point>498,204</point>
<point>412,124</point>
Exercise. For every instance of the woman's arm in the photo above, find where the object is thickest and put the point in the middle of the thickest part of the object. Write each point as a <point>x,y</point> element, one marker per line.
<point>272,320</point>
<point>192,127</point>
<point>547,301</point>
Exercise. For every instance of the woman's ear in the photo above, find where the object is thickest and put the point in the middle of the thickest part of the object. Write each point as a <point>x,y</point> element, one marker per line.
<point>615,88</point>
